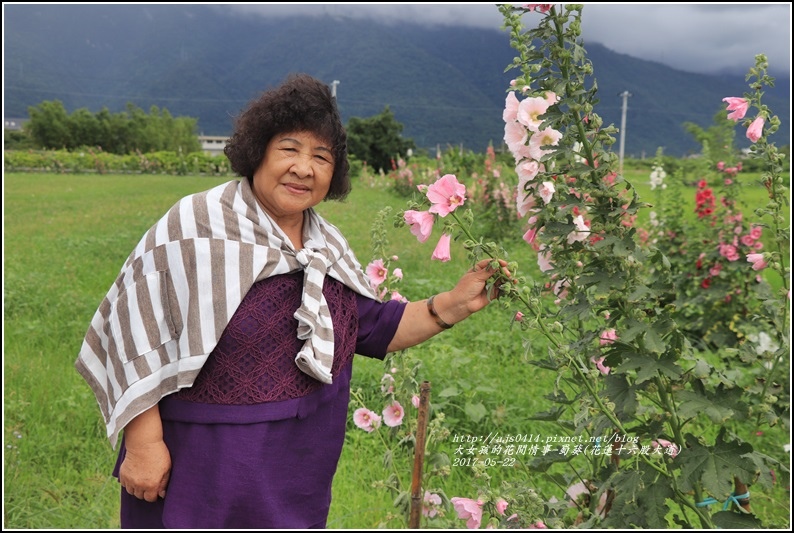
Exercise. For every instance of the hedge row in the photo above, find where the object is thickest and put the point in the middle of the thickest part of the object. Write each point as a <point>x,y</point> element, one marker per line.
<point>95,161</point>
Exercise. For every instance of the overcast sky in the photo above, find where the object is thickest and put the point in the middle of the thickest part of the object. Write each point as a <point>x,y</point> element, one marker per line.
<point>693,37</point>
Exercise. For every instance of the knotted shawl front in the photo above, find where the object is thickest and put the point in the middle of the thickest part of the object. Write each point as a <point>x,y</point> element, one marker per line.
<point>179,288</point>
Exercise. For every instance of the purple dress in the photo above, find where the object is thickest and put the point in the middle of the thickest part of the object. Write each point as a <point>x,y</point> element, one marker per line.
<point>255,442</point>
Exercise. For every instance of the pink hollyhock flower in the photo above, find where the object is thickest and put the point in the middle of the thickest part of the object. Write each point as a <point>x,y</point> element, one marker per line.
<point>501,506</point>
<point>527,170</point>
<point>432,504</point>
<point>376,272</point>
<point>579,489</point>
<point>599,363</point>
<point>756,129</point>
<point>581,232</point>
<point>672,449</point>
<point>757,260</point>
<point>399,297</point>
<point>608,336</point>
<point>525,205</point>
<point>729,252</point>
<point>546,191</point>
<point>398,272</point>
<point>519,316</point>
<point>515,138</point>
<point>720,165</point>
<point>551,97</point>
<point>529,110</point>
<point>415,401</point>
<point>738,106</point>
<point>542,8</point>
<point>469,509</point>
<point>421,223</point>
<point>393,414</point>
<point>366,419</point>
<point>530,235</point>
<point>544,260</point>
<point>538,525</point>
<point>446,194</point>
<point>442,249</point>
<point>511,107</point>
<point>755,232</point>
<point>547,137</point>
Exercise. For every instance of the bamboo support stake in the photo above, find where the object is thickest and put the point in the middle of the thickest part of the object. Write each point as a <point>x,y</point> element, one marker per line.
<point>419,456</point>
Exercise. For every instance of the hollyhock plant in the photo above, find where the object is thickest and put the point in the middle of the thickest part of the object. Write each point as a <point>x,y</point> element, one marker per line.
<point>446,195</point>
<point>376,272</point>
<point>501,506</point>
<point>737,106</point>
<point>421,223</point>
<point>757,260</point>
<point>442,253</point>
<point>756,129</point>
<point>393,414</point>
<point>546,137</point>
<point>529,111</point>
<point>432,504</point>
<point>366,419</point>
<point>468,509</point>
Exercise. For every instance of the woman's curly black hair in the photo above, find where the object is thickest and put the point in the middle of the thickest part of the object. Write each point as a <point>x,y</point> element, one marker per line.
<point>300,104</point>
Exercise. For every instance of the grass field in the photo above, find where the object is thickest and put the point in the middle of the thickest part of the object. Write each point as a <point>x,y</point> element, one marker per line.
<point>65,239</point>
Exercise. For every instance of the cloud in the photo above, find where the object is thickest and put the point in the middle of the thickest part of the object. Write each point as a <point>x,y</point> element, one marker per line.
<point>696,38</point>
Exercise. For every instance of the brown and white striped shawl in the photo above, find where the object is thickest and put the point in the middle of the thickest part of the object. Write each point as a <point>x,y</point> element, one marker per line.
<point>183,282</point>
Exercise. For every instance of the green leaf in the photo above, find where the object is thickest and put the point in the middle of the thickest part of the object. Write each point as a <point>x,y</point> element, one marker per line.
<point>449,391</point>
<point>475,411</point>
<point>654,342</point>
<point>654,503</point>
<point>543,462</point>
<point>691,404</point>
<point>622,394</point>
<point>714,467</point>
<point>552,414</point>
<point>648,366</point>
<point>734,520</point>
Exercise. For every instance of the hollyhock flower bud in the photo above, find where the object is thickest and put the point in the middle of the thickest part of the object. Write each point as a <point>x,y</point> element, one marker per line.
<point>739,107</point>
<point>756,129</point>
<point>442,249</point>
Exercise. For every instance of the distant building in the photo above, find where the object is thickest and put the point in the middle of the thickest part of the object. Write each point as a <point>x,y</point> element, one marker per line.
<point>213,144</point>
<point>14,124</point>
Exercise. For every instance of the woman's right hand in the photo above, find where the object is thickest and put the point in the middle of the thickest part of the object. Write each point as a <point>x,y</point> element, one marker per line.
<point>146,468</point>
<point>145,471</point>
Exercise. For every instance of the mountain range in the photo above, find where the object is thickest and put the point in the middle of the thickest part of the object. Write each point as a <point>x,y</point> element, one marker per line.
<point>445,84</point>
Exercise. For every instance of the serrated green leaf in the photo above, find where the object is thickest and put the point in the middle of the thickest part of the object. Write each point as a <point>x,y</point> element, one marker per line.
<point>552,414</point>
<point>714,467</point>
<point>655,506</point>
<point>647,367</point>
<point>542,463</point>
<point>653,341</point>
<point>691,404</point>
<point>620,392</point>
<point>734,520</point>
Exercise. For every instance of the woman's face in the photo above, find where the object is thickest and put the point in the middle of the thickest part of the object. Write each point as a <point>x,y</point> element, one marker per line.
<point>294,175</point>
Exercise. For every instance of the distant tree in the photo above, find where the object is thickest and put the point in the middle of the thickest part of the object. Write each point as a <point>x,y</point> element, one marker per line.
<point>51,127</point>
<point>377,139</point>
<point>718,138</point>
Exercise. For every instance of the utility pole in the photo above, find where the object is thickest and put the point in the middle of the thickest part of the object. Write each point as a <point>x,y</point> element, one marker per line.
<point>333,87</point>
<point>625,95</point>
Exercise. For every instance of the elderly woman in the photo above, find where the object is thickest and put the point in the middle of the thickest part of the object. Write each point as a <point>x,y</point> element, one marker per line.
<point>224,348</point>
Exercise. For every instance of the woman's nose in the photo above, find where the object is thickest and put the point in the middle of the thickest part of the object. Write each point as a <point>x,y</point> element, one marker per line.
<point>302,166</point>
